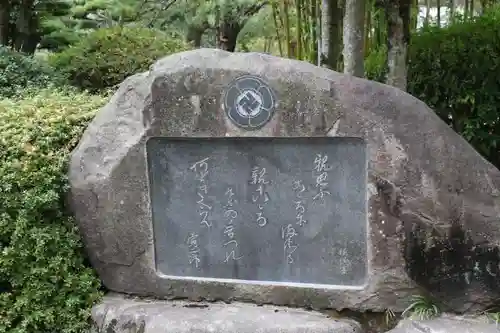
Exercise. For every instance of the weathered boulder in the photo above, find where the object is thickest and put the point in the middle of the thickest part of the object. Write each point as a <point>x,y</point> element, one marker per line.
<point>447,324</point>
<point>117,314</point>
<point>433,201</point>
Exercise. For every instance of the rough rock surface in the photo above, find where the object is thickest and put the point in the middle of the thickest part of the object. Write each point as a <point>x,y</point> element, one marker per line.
<point>447,324</point>
<point>116,314</point>
<point>434,202</point>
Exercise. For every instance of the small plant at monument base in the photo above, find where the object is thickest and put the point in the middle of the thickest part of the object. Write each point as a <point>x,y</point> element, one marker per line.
<point>421,308</point>
<point>390,317</point>
<point>494,317</point>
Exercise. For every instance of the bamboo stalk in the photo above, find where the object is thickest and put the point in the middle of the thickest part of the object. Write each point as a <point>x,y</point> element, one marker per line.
<point>428,11</point>
<point>368,28</point>
<point>286,20</point>
<point>298,8</point>
<point>313,32</point>
<point>275,10</point>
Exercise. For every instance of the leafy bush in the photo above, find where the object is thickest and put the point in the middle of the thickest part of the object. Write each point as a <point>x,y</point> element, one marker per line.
<point>375,68</point>
<point>107,56</point>
<point>455,70</point>
<point>45,284</point>
<point>19,73</point>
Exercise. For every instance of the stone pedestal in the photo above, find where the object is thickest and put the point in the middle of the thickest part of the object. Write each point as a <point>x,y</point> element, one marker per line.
<point>119,314</point>
<point>448,324</point>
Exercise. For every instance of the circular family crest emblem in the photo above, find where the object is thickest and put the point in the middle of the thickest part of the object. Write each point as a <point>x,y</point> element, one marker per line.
<point>249,102</point>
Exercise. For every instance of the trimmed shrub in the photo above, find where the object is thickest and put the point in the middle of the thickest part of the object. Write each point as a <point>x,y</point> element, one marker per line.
<point>45,283</point>
<point>106,57</point>
<point>20,73</point>
<point>456,71</point>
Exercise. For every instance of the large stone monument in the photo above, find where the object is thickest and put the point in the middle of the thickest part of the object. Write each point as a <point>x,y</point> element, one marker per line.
<point>245,177</point>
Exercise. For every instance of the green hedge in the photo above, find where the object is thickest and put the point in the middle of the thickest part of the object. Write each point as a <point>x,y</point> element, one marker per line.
<point>45,283</point>
<point>456,71</point>
<point>106,57</point>
<point>20,73</point>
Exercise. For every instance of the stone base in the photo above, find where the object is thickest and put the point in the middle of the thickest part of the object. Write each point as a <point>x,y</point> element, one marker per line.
<point>448,324</point>
<point>120,314</point>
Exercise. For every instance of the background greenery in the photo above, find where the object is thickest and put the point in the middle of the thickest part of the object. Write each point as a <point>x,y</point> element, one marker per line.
<point>45,284</point>
<point>105,57</point>
<point>60,58</point>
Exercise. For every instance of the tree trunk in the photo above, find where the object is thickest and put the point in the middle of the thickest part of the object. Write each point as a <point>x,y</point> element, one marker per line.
<point>331,44</point>
<point>25,27</point>
<point>336,46</point>
<point>318,33</point>
<point>286,25</point>
<point>4,22</point>
<point>380,27</point>
<point>451,6</point>
<point>313,26</point>
<point>31,43</point>
<point>228,35</point>
<point>427,11</point>
<point>438,16</point>
<point>326,23</point>
<point>340,36</point>
<point>483,6</point>
<point>230,27</point>
<point>354,20</point>
<point>299,27</point>
<point>414,11</point>
<point>276,19</point>
<point>398,37</point>
<point>194,35</point>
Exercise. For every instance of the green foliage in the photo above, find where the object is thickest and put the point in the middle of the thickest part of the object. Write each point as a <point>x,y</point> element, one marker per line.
<point>28,22</point>
<point>186,16</point>
<point>455,71</point>
<point>107,13</point>
<point>375,64</point>
<point>45,285</point>
<point>200,11</point>
<point>257,30</point>
<point>83,16</point>
<point>494,317</point>
<point>58,34</point>
<point>53,23</point>
<point>20,73</point>
<point>106,57</point>
<point>390,318</point>
<point>421,308</point>
<point>56,24</point>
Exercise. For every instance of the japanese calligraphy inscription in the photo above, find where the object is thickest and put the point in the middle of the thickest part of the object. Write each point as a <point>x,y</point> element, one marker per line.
<point>260,210</point>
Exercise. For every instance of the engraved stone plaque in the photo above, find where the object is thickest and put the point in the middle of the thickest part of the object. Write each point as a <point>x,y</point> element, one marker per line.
<point>278,211</point>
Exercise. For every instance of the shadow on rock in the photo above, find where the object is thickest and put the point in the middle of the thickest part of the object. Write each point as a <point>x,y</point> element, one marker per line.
<point>452,267</point>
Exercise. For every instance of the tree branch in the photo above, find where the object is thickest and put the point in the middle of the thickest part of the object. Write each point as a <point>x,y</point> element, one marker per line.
<point>254,9</point>
<point>165,6</point>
